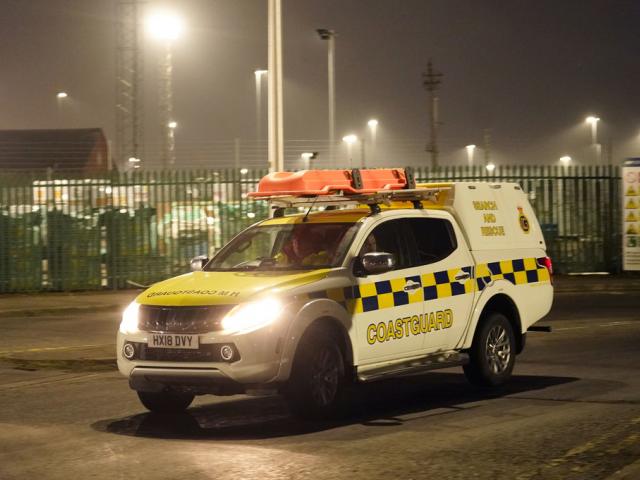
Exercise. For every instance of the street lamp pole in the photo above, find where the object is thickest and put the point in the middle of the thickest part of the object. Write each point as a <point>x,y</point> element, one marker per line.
<point>593,121</point>
<point>329,36</point>
<point>259,74</point>
<point>373,128</point>
<point>276,154</point>
<point>470,151</point>
<point>61,100</point>
<point>350,140</point>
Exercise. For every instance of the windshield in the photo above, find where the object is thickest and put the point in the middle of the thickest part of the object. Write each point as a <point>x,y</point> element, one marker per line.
<point>286,247</point>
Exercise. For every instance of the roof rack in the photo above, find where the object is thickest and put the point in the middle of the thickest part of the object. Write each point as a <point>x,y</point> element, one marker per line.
<point>373,200</point>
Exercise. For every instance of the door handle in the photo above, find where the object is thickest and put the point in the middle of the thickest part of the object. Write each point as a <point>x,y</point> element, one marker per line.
<point>462,276</point>
<point>409,287</point>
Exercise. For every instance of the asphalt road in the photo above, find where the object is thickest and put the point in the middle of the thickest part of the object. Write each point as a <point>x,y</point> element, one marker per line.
<point>572,411</point>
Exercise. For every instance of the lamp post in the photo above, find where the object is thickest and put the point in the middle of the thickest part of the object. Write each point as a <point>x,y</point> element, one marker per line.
<point>349,140</point>
<point>329,36</point>
<point>276,125</point>
<point>166,27</point>
<point>373,129</point>
<point>593,121</point>
<point>61,101</point>
<point>259,74</point>
<point>470,151</point>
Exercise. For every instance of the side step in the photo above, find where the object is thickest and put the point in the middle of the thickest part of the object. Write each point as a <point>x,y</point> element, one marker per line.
<point>415,366</point>
<point>539,328</point>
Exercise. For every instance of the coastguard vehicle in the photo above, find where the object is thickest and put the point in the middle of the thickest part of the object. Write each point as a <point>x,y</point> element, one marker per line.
<point>373,277</point>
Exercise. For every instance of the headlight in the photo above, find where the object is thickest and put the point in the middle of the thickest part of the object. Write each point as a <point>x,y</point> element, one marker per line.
<point>253,315</point>
<point>129,322</point>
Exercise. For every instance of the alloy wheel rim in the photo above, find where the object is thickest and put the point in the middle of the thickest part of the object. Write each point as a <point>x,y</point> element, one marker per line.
<point>498,349</point>
<point>324,379</point>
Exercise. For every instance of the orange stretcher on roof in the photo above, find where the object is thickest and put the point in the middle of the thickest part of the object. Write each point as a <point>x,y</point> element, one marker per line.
<point>328,182</point>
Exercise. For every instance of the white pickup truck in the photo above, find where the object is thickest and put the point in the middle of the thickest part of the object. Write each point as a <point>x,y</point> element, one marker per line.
<point>377,284</point>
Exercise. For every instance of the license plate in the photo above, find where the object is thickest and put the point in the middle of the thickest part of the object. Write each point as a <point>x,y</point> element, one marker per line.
<point>163,340</point>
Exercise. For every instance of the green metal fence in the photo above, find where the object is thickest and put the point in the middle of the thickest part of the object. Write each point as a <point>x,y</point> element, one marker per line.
<point>65,233</point>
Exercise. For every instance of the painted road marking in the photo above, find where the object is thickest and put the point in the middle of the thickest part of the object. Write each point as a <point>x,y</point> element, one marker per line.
<point>611,324</point>
<point>62,378</point>
<point>50,349</point>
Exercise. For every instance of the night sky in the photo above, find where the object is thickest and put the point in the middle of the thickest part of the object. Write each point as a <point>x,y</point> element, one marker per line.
<point>530,71</point>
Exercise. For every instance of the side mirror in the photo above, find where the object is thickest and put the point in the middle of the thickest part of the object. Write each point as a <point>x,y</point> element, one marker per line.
<point>198,263</point>
<point>378,262</point>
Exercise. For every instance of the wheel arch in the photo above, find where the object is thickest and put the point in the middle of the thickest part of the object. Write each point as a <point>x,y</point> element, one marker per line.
<point>504,304</point>
<point>316,313</point>
<point>333,325</point>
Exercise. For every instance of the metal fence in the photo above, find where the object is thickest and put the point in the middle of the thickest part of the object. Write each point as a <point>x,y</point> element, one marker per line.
<point>68,233</point>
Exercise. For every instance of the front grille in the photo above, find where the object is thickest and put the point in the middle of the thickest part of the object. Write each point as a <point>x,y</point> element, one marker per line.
<point>205,353</point>
<point>181,319</point>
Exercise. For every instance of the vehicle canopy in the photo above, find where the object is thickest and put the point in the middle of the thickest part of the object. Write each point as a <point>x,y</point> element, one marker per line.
<point>492,215</point>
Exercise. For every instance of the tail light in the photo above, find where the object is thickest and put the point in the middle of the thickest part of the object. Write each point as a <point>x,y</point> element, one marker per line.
<point>548,264</point>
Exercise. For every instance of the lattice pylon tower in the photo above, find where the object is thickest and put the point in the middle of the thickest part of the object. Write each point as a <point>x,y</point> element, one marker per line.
<point>129,82</point>
<point>165,105</point>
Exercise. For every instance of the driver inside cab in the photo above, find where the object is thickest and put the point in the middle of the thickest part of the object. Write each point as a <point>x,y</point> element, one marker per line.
<point>308,247</point>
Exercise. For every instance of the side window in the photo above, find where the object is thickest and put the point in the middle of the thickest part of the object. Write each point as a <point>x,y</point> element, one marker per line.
<point>434,240</point>
<point>388,237</point>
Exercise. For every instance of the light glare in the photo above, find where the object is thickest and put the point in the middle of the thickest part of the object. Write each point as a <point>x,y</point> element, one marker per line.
<point>165,25</point>
<point>350,139</point>
<point>129,322</point>
<point>253,315</point>
<point>373,123</point>
<point>62,95</point>
<point>490,167</point>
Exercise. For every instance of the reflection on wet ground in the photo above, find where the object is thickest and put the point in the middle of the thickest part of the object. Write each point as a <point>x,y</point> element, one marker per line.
<point>377,404</point>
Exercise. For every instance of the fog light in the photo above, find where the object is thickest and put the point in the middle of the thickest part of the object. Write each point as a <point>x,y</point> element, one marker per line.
<point>128,351</point>
<point>226,352</point>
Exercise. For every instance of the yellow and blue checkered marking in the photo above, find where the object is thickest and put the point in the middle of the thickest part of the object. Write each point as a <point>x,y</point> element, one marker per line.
<point>519,272</point>
<point>383,294</point>
<point>369,297</point>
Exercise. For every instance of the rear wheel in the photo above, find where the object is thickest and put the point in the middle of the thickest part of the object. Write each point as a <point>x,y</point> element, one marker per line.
<point>316,387</point>
<point>492,353</point>
<point>166,402</point>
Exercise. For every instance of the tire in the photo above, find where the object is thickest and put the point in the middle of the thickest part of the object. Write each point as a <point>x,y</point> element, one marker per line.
<point>493,352</point>
<point>316,388</point>
<point>166,402</point>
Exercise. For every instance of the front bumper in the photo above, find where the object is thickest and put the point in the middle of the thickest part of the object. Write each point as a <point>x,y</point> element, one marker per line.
<point>202,380</point>
<point>259,354</point>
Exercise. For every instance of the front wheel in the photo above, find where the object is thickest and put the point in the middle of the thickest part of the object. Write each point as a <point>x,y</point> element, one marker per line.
<point>492,353</point>
<point>166,402</point>
<point>316,387</point>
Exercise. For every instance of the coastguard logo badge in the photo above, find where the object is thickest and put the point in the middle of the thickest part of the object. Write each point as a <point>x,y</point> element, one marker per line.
<point>523,220</point>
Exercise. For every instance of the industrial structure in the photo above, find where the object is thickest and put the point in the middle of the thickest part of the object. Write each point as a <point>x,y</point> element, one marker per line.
<point>129,82</point>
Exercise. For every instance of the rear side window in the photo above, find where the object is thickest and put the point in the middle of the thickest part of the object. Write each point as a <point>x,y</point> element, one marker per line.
<point>434,239</point>
<point>389,237</point>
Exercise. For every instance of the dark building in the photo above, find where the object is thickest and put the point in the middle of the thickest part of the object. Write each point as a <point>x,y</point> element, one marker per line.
<point>80,150</point>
